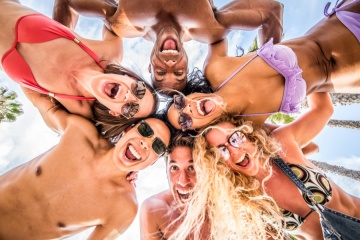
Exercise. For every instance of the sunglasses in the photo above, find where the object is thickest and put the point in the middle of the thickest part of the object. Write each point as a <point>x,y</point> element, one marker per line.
<point>138,89</point>
<point>236,139</point>
<point>158,145</point>
<point>184,119</point>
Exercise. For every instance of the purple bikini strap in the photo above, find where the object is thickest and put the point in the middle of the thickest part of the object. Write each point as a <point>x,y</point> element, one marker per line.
<point>234,73</point>
<point>337,4</point>
<point>254,114</point>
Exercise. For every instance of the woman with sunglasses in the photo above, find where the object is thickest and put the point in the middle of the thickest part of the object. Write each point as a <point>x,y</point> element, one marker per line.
<point>79,183</point>
<point>79,73</point>
<point>234,162</point>
<point>277,77</point>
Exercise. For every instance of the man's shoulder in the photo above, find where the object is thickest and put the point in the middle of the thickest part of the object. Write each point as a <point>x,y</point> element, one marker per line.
<point>159,200</point>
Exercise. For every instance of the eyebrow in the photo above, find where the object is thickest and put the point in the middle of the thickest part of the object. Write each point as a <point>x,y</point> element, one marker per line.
<point>179,81</point>
<point>173,161</point>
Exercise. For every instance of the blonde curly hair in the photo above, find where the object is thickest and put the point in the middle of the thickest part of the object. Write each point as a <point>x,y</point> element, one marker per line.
<point>233,205</point>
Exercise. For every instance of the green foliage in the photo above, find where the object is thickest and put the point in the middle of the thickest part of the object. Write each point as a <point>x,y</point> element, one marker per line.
<point>281,118</point>
<point>9,107</point>
<point>254,46</point>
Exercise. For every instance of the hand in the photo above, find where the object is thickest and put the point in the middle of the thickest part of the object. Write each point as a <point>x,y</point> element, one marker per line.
<point>132,177</point>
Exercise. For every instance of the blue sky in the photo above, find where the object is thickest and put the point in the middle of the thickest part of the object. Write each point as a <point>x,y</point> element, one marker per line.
<point>28,136</point>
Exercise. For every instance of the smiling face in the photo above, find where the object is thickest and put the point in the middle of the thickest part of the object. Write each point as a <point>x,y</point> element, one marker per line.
<point>168,61</point>
<point>181,174</point>
<point>114,90</point>
<point>134,152</point>
<point>241,159</point>
<point>202,108</point>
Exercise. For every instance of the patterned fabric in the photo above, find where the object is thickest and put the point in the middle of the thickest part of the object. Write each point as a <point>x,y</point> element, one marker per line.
<point>317,183</point>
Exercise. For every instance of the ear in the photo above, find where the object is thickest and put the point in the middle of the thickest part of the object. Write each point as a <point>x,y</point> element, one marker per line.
<point>114,113</point>
<point>149,68</point>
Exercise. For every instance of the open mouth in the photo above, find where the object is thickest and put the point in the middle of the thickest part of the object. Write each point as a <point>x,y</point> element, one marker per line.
<point>169,46</point>
<point>112,89</point>
<point>204,107</point>
<point>244,161</point>
<point>131,153</point>
<point>184,195</point>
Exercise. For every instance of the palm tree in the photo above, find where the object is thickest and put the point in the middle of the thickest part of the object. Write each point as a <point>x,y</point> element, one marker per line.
<point>337,169</point>
<point>9,107</point>
<point>340,99</point>
<point>344,124</point>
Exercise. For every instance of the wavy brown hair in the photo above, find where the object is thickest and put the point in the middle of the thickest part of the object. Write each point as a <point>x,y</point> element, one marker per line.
<point>112,126</point>
<point>233,205</point>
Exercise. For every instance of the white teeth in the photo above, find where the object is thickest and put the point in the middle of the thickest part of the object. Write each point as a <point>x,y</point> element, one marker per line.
<point>169,51</point>
<point>184,191</point>
<point>198,107</point>
<point>134,152</point>
<point>240,159</point>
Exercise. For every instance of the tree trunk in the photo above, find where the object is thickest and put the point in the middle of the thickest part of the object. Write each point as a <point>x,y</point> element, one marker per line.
<point>344,124</point>
<point>340,99</point>
<point>354,174</point>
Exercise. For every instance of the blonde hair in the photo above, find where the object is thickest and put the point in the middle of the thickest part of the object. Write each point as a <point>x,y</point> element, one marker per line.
<point>233,205</point>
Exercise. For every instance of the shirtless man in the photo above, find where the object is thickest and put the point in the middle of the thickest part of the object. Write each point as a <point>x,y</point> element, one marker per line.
<point>158,211</point>
<point>170,23</point>
<point>80,182</point>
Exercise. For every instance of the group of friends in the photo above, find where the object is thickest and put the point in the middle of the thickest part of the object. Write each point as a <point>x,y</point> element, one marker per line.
<point>219,152</point>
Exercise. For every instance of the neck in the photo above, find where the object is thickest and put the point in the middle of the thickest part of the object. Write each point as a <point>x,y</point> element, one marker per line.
<point>163,24</point>
<point>263,173</point>
<point>106,169</point>
<point>235,102</point>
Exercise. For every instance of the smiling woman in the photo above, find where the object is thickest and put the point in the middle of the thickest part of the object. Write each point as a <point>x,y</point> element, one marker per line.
<point>140,102</point>
<point>83,64</point>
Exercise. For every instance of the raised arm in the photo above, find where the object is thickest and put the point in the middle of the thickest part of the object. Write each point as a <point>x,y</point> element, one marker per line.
<point>310,124</point>
<point>264,15</point>
<point>66,11</point>
<point>54,115</point>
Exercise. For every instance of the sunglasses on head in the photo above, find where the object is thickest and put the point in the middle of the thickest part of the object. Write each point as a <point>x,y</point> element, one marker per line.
<point>158,145</point>
<point>138,89</point>
<point>236,139</point>
<point>184,119</point>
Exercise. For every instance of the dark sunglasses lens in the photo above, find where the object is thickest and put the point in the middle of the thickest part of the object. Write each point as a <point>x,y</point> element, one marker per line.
<point>129,110</point>
<point>145,130</point>
<point>179,102</point>
<point>138,88</point>
<point>159,146</point>
<point>237,139</point>
<point>185,121</point>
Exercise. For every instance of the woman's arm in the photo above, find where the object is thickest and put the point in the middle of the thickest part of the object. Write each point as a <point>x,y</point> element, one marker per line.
<point>54,115</point>
<point>66,11</point>
<point>266,15</point>
<point>309,124</point>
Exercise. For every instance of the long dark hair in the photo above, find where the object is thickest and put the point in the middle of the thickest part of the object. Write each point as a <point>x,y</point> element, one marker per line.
<point>197,83</point>
<point>111,126</point>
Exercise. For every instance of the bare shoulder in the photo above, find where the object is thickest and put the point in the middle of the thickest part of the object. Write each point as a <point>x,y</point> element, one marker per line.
<point>81,126</point>
<point>157,201</point>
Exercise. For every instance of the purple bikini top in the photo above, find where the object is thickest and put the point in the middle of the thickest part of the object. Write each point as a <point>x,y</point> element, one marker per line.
<point>283,60</point>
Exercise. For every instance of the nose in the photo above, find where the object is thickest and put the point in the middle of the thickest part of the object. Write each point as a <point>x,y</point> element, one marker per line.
<point>129,97</point>
<point>170,63</point>
<point>144,145</point>
<point>183,179</point>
